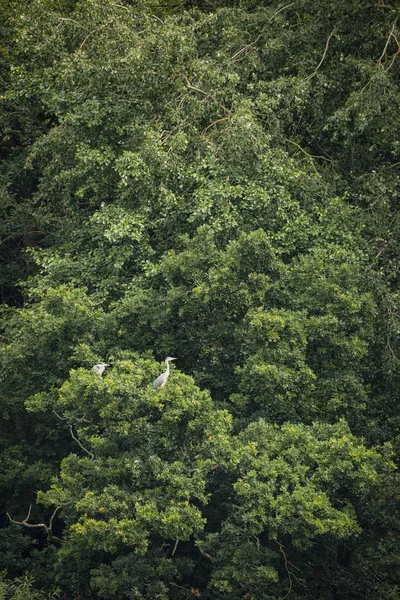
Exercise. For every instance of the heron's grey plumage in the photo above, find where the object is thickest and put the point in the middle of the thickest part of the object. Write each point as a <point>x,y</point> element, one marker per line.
<point>99,369</point>
<point>162,379</point>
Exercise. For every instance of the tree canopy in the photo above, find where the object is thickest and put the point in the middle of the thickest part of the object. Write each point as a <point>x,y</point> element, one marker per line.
<point>216,181</point>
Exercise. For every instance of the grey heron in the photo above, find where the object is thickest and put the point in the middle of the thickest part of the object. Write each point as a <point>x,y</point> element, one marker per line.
<point>99,369</point>
<point>162,379</point>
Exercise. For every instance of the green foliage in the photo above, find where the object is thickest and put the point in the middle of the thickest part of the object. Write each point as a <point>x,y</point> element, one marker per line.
<point>291,487</point>
<point>22,589</point>
<point>217,181</point>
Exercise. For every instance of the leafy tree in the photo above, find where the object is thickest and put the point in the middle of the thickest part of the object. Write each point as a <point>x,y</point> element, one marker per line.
<point>217,181</point>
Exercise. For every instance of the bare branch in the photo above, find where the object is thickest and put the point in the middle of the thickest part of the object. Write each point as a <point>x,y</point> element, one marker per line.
<point>323,56</point>
<point>77,419</point>
<point>192,87</point>
<point>214,123</point>
<point>48,528</point>
<point>245,48</point>
<point>378,5</point>
<point>306,153</point>
<point>80,444</point>
<point>52,517</point>
<point>383,55</point>
<point>83,420</point>
<point>62,19</point>
<point>175,547</point>
<point>205,554</point>
<point>287,569</point>
<point>94,31</point>
<point>57,415</point>
<point>158,19</point>
<point>281,9</point>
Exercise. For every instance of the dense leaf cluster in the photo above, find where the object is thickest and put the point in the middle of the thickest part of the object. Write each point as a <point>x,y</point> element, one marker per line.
<point>216,181</point>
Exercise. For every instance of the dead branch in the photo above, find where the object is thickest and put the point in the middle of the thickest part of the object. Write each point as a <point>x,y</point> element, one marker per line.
<point>158,19</point>
<point>287,570</point>
<point>214,123</point>
<point>190,86</point>
<point>205,554</point>
<point>77,419</point>
<point>48,528</point>
<point>245,48</point>
<point>175,547</point>
<point>58,416</point>
<point>65,19</point>
<point>281,9</point>
<point>378,4</point>
<point>76,54</point>
<point>80,444</point>
<point>323,56</point>
<point>394,55</point>
<point>383,55</point>
<point>306,153</point>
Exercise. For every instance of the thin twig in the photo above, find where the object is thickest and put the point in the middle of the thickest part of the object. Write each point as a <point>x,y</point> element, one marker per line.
<point>192,87</point>
<point>77,419</point>
<point>382,56</point>
<point>214,123</point>
<point>158,19</point>
<point>281,9</point>
<point>323,56</point>
<point>395,55</point>
<point>83,43</point>
<point>245,48</point>
<point>306,153</point>
<point>287,570</point>
<point>61,19</point>
<point>83,420</point>
<point>377,5</point>
<point>392,351</point>
<point>80,444</point>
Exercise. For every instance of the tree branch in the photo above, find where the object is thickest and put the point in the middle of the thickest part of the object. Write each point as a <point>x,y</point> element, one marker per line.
<point>323,56</point>
<point>205,554</point>
<point>48,528</point>
<point>281,9</point>
<point>57,415</point>
<point>192,87</point>
<point>214,123</point>
<point>80,444</point>
<point>306,153</point>
<point>175,547</point>
<point>287,570</point>
<point>245,48</point>
<point>382,56</point>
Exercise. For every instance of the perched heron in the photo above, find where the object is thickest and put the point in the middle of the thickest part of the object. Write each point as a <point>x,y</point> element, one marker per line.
<point>162,379</point>
<point>99,369</point>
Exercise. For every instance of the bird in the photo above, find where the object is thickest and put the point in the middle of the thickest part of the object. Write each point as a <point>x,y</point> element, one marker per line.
<point>99,369</point>
<point>162,379</point>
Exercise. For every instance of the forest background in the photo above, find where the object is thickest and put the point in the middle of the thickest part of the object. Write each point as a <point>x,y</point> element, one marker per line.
<point>216,181</point>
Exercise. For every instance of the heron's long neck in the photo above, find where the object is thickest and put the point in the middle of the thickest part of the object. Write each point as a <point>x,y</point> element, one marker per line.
<point>167,363</point>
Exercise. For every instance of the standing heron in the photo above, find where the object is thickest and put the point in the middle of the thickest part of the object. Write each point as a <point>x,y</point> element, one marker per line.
<point>162,379</point>
<point>99,369</point>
